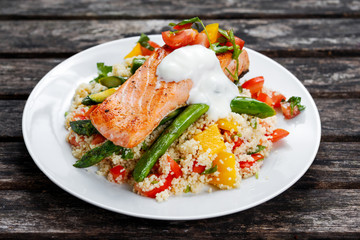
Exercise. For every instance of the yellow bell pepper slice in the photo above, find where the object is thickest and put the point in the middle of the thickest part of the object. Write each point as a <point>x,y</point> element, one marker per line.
<point>212,30</point>
<point>136,51</point>
<point>226,177</point>
<point>227,125</point>
<point>211,139</point>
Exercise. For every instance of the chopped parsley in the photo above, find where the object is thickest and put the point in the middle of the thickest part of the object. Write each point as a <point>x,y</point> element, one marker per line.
<point>259,148</point>
<point>295,101</point>
<point>103,71</point>
<point>127,153</point>
<point>257,175</point>
<point>155,182</point>
<point>210,170</point>
<point>187,189</point>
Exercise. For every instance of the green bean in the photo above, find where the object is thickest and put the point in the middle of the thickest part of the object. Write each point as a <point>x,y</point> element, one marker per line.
<point>251,107</point>
<point>171,133</point>
<point>171,115</point>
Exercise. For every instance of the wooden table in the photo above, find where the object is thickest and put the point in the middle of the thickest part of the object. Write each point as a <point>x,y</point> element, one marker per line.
<point>318,41</point>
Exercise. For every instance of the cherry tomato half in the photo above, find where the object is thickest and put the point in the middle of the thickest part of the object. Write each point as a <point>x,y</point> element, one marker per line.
<point>179,39</point>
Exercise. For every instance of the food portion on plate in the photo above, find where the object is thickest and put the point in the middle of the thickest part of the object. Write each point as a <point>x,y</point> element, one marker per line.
<point>173,119</point>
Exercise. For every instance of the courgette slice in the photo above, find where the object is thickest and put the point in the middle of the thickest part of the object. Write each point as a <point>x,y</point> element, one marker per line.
<point>96,98</point>
<point>112,81</point>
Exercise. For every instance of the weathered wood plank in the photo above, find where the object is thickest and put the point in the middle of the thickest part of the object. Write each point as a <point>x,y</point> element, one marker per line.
<point>179,9</point>
<point>340,118</point>
<point>336,166</point>
<point>329,77</point>
<point>289,37</point>
<point>56,212</point>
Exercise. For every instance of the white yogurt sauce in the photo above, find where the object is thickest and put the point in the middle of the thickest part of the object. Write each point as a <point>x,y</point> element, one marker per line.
<point>210,84</point>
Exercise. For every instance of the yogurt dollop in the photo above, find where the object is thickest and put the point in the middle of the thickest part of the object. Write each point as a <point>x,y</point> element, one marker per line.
<point>210,84</point>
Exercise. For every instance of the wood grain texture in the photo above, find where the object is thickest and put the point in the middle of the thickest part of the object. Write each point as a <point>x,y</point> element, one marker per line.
<point>339,118</point>
<point>330,77</point>
<point>56,212</point>
<point>336,166</point>
<point>180,9</point>
<point>290,37</point>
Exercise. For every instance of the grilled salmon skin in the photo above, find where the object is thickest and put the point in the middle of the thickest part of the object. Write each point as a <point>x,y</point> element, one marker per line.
<point>129,115</point>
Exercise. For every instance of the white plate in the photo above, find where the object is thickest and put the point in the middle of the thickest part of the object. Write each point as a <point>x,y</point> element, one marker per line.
<point>44,135</point>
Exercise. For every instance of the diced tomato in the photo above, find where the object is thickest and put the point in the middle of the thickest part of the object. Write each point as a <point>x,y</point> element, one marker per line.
<point>286,110</point>
<point>238,41</point>
<point>279,134</point>
<point>118,173</point>
<point>179,39</point>
<point>238,143</point>
<point>80,115</point>
<point>185,26</point>
<point>198,168</point>
<point>175,168</point>
<point>246,164</point>
<point>92,108</point>
<point>277,98</point>
<point>201,39</point>
<point>152,193</point>
<point>263,97</point>
<point>257,156</point>
<point>98,138</point>
<point>254,84</point>
<point>72,141</point>
<point>147,52</point>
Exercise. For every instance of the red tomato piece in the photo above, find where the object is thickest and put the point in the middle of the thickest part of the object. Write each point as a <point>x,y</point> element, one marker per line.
<point>185,26</point>
<point>238,41</point>
<point>98,138</point>
<point>263,97</point>
<point>179,39</point>
<point>201,39</point>
<point>286,110</point>
<point>277,98</point>
<point>147,52</point>
<point>80,115</point>
<point>72,141</point>
<point>238,143</point>
<point>118,173</point>
<point>152,193</point>
<point>254,84</point>
<point>175,168</point>
<point>198,168</point>
<point>257,156</point>
<point>246,164</point>
<point>279,134</point>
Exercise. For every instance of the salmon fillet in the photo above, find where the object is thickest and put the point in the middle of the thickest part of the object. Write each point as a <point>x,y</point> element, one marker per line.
<point>129,115</point>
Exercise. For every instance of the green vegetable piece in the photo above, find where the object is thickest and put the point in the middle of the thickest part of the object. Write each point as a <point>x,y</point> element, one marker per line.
<point>259,148</point>
<point>97,154</point>
<point>144,42</point>
<point>112,81</point>
<point>210,170</point>
<point>187,189</point>
<point>251,107</point>
<point>127,153</point>
<point>171,115</point>
<point>96,98</point>
<point>170,134</point>
<point>103,71</point>
<point>83,127</point>
<point>144,146</point>
<point>136,63</point>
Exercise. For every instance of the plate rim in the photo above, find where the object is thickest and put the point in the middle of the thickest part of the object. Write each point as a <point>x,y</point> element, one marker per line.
<point>43,82</point>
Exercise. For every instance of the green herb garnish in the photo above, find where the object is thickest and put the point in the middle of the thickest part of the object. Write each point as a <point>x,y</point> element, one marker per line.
<point>259,148</point>
<point>210,170</point>
<point>257,175</point>
<point>144,41</point>
<point>154,182</point>
<point>187,189</point>
<point>295,101</point>
<point>103,71</point>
